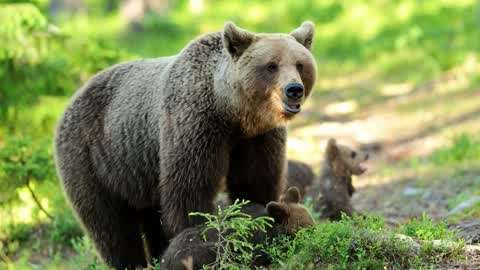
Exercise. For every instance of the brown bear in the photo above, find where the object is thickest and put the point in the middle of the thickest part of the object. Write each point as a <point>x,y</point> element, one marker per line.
<point>289,216</point>
<point>300,175</point>
<point>149,141</point>
<point>332,195</point>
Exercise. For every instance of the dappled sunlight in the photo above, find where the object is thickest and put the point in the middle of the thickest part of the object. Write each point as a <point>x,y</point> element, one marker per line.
<point>340,108</point>
<point>397,89</point>
<point>345,80</point>
<point>196,6</point>
<point>362,131</point>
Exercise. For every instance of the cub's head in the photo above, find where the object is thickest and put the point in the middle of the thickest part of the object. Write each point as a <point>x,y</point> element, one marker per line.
<point>344,161</point>
<point>289,215</point>
<point>272,75</point>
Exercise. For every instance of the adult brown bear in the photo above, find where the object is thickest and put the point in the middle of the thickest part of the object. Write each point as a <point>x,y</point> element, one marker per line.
<point>144,143</point>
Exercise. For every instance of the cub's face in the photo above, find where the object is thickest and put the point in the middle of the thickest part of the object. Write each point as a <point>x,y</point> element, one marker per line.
<point>346,161</point>
<point>289,213</point>
<point>273,74</point>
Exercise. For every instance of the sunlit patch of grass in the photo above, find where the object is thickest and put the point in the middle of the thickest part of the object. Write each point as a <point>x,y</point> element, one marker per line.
<point>464,147</point>
<point>424,228</point>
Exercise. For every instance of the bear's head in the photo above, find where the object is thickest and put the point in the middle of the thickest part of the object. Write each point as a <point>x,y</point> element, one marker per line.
<point>345,161</point>
<point>271,75</point>
<point>289,214</point>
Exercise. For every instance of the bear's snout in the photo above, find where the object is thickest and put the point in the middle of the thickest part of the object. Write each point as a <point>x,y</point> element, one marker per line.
<point>293,93</point>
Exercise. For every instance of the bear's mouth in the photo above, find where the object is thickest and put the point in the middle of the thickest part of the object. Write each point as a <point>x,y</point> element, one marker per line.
<point>291,108</point>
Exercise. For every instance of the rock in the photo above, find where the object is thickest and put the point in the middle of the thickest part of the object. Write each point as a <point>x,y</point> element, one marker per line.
<point>411,191</point>
<point>470,231</point>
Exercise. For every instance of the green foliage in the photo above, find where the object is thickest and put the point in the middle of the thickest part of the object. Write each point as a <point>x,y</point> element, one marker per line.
<point>23,31</point>
<point>27,39</point>
<point>465,147</point>
<point>18,232</point>
<point>23,160</point>
<point>29,69</point>
<point>234,230</point>
<point>86,258</point>
<point>424,228</point>
<point>65,228</point>
<point>353,243</point>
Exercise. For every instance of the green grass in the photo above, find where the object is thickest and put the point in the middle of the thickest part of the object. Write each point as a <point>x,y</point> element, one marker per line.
<point>424,228</point>
<point>464,148</point>
<point>365,243</point>
<point>351,243</point>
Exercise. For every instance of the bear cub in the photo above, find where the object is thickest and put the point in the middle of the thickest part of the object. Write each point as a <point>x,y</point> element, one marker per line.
<point>332,196</point>
<point>189,250</point>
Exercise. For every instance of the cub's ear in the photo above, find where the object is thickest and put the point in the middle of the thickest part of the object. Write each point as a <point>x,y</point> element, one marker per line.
<point>292,195</point>
<point>332,149</point>
<point>304,34</point>
<point>236,40</point>
<point>277,211</point>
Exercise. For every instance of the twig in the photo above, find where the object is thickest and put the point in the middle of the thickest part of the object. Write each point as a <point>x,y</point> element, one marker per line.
<point>37,201</point>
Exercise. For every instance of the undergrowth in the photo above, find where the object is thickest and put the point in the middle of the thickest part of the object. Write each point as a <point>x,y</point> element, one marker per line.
<point>366,243</point>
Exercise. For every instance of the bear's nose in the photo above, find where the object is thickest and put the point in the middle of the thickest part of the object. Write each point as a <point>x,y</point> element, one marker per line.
<point>294,91</point>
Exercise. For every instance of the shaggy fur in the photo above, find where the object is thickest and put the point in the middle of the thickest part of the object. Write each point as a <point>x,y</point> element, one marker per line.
<point>149,141</point>
<point>332,196</point>
<point>289,217</point>
<point>300,175</point>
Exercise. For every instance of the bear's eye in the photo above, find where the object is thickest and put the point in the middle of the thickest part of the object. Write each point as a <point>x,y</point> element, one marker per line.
<point>272,67</point>
<point>299,67</point>
<point>353,154</point>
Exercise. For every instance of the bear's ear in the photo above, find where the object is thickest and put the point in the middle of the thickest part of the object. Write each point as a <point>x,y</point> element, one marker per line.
<point>332,149</point>
<point>236,40</point>
<point>277,211</point>
<point>304,34</point>
<point>292,195</point>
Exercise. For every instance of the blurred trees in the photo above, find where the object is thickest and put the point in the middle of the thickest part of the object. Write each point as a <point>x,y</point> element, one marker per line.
<point>133,11</point>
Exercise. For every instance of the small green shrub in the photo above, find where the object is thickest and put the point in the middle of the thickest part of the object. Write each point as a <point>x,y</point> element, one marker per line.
<point>424,228</point>
<point>23,161</point>
<point>234,230</point>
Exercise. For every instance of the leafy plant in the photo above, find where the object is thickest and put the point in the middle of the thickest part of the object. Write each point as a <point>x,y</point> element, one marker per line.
<point>234,230</point>
<point>23,162</point>
<point>424,228</point>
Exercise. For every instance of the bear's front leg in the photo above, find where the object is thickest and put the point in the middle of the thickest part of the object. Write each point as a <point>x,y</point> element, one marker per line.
<point>257,167</point>
<point>190,178</point>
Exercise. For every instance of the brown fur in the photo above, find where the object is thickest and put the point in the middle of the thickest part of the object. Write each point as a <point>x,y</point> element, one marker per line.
<point>153,138</point>
<point>332,196</point>
<point>300,175</point>
<point>289,217</point>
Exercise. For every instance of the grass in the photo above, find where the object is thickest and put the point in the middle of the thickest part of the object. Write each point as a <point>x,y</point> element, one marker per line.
<point>351,243</point>
<point>364,243</point>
